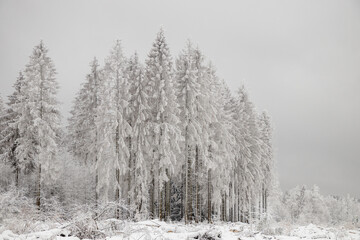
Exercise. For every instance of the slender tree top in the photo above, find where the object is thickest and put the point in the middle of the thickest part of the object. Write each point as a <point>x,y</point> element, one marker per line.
<point>2,108</point>
<point>94,64</point>
<point>159,56</point>
<point>116,58</point>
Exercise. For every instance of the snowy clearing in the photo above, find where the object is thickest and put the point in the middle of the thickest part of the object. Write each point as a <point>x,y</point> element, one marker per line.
<point>153,229</point>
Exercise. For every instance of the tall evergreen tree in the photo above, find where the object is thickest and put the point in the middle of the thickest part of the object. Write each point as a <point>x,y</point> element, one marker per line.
<point>267,164</point>
<point>39,122</point>
<point>9,129</point>
<point>188,90</point>
<point>83,130</point>
<point>165,131</point>
<point>119,111</point>
<point>248,154</point>
<point>220,161</point>
<point>141,137</point>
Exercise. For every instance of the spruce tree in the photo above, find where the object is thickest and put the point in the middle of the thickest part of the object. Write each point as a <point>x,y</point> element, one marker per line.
<point>117,98</point>
<point>220,162</point>
<point>141,137</point>
<point>9,133</point>
<point>82,128</point>
<point>188,89</point>
<point>267,164</point>
<point>39,122</point>
<point>165,130</point>
<point>248,155</point>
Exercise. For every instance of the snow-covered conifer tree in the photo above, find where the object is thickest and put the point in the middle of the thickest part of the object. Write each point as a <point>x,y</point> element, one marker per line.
<point>188,90</point>
<point>83,132</point>
<point>248,154</point>
<point>205,113</point>
<point>267,164</point>
<point>119,111</point>
<point>220,164</point>
<point>39,122</point>
<point>314,210</point>
<point>141,137</point>
<point>9,131</point>
<point>2,107</point>
<point>166,133</point>
<point>2,123</point>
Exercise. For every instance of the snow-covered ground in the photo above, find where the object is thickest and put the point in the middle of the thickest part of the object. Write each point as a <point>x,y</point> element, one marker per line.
<point>147,230</point>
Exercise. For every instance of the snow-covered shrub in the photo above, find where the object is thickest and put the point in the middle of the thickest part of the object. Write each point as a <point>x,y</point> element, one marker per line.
<point>18,213</point>
<point>52,210</point>
<point>84,227</point>
<point>302,205</point>
<point>265,225</point>
<point>5,176</point>
<point>89,221</point>
<point>209,235</point>
<point>341,233</point>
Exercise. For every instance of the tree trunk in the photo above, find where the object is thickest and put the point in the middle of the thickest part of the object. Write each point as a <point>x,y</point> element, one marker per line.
<point>190,187</point>
<point>160,200</point>
<point>167,197</point>
<point>225,207</point>
<point>96,189</point>
<point>197,185</point>
<point>152,195</point>
<point>186,206</point>
<point>260,200</point>
<point>183,186</point>
<point>238,204</point>
<point>222,208</point>
<point>188,194</point>
<point>38,197</point>
<point>117,193</point>
<point>250,214</point>
<point>265,200</point>
<point>230,202</point>
<point>17,177</point>
<point>117,171</point>
<point>236,217</point>
<point>129,193</point>
<point>209,197</point>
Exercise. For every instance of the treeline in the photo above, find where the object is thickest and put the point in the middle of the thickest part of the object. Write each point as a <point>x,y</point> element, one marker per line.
<point>303,205</point>
<point>167,139</point>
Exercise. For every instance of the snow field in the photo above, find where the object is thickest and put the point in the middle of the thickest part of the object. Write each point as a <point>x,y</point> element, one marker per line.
<point>154,229</point>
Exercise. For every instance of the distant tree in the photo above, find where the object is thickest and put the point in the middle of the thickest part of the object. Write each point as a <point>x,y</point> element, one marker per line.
<point>314,210</point>
<point>2,124</point>
<point>82,128</point>
<point>2,107</point>
<point>295,200</point>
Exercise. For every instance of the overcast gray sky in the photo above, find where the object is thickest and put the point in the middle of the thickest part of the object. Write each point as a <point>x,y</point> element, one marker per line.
<point>300,60</point>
